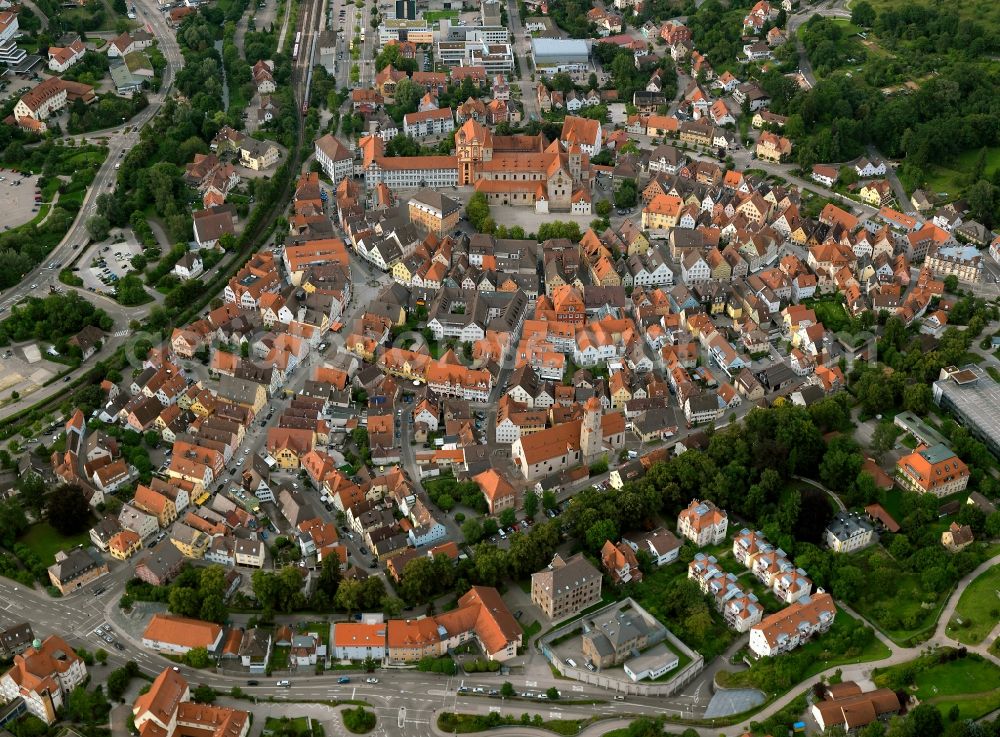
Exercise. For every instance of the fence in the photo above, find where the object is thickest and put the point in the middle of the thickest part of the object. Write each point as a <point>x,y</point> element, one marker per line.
<point>616,680</point>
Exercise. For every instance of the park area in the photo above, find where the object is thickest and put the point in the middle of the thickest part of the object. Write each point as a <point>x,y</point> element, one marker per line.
<point>948,180</point>
<point>45,542</point>
<point>978,610</point>
<point>970,684</point>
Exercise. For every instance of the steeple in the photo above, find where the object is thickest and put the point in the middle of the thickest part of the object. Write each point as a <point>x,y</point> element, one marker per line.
<point>590,431</point>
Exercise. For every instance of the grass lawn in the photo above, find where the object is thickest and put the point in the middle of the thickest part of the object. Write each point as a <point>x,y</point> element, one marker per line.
<point>279,658</point>
<point>531,630</point>
<point>433,16</point>
<point>892,500</point>
<point>949,179</point>
<point>45,542</point>
<point>299,724</point>
<point>843,624</point>
<point>830,312</point>
<point>828,650</point>
<point>979,608</point>
<point>971,683</point>
<point>904,612</point>
<point>320,628</point>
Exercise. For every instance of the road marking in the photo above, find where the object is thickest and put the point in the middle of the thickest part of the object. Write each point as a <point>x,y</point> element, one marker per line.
<point>531,684</point>
<point>577,688</point>
<point>494,710</point>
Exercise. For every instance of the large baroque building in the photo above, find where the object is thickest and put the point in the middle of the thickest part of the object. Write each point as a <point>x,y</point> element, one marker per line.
<point>509,170</point>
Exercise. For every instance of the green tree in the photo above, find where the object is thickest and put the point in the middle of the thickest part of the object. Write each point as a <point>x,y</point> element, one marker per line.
<point>328,582</point>
<point>98,227</point>
<point>530,504</point>
<point>883,438</point>
<point>917,398</point>
<point>477,210</point>
<point>982,197</point>
<point>552,693</point>
<point>627,194</point>
<point>599,533</point>
<point>203,694</point>
<point>508,517</point>
<point>184,602</point>
<point>402,146</point>
<point>349,596</point>
<point>862,14</point>
<point>68,510</point>
<point>117,684</point>
<point>841,463</point>
<point>130,291</point>
<point>472,531</point>
<point>419,582</point>
<point>507,690</point>
<point>197,657</point>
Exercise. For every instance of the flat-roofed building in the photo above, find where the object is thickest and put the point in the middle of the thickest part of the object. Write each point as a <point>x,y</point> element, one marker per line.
<point>552,55</point>
<point>973,397</point>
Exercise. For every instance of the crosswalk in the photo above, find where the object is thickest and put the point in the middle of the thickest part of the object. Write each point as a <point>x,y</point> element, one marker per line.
<point>121,333</point>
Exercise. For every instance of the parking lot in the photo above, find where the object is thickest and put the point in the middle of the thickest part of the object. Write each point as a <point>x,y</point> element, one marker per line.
<point>24,373</point>
<point>20,198</point>
<point>106,264</point>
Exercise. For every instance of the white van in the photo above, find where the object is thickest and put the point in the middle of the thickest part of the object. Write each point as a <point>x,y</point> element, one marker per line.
<point>571,662</point>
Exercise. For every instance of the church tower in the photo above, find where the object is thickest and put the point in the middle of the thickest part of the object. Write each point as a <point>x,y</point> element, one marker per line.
<point>473,145</point>
<point>590,431</point>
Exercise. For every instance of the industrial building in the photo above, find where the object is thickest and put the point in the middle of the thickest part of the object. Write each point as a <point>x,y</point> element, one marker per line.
<point>552,55</point>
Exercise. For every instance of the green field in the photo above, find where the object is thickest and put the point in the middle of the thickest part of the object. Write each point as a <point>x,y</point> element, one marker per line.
<point>45,542</point>
<point>979,608</point>
<point>903,613</point>
<point>843,626</point>
<point>279,658</point>
<point>971,683</point>
<point>433,16</point>
<point>286,726</point>
<point>948,181</point>
<point>830,312</point>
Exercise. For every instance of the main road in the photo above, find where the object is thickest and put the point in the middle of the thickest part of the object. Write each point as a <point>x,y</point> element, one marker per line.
<point>119,143</point>
<point>423,696</point>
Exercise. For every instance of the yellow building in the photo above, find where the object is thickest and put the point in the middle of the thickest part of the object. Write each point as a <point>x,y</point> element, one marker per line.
<point>191,542</point>
<point>123,545</point>
<point>435,212</point>
<point>401,273</point>
<point>661,213</point>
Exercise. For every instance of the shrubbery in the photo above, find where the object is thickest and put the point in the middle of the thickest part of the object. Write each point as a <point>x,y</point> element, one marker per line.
<point>358,720</point>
